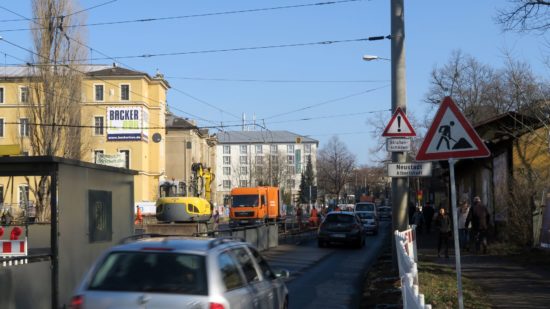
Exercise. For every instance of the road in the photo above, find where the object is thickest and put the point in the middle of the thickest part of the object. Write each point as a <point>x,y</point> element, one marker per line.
<point>327,277</point>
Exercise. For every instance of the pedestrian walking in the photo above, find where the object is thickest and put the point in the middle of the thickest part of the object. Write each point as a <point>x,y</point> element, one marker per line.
<point>139,216</point>
<point>314,218</point>
<point>479,218</point>
<point>418,220</point>
<point>299,215</point>
<point>443,226</point>
<point>462,215</point>
<point>216,218</point>
<point>428,212</point>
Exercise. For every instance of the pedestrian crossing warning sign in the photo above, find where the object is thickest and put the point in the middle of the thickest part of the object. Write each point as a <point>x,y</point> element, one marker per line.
<point>399,126</point>
<point>451,136</point>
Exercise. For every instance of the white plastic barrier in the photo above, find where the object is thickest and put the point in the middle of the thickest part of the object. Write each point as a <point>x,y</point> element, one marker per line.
<point>407,257</point>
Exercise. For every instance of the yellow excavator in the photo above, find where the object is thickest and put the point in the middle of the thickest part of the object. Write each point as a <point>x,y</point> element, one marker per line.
<point>180,203</point>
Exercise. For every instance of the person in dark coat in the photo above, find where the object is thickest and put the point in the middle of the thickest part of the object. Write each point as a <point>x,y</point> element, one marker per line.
<point>480,218</point>
<point>428,212</point>
<point>443,226</point>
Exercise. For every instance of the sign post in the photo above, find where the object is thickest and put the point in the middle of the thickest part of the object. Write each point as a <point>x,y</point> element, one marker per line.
<point>452,137</point>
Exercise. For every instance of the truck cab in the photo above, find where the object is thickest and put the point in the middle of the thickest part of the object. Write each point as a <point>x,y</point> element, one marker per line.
<point>255,205</point>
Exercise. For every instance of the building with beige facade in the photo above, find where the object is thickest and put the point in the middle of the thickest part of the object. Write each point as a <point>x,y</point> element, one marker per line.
<point>187,144</point>
<point>122,118</point>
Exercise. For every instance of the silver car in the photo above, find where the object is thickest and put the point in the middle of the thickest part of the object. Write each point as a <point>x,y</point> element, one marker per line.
<point>177,272</point>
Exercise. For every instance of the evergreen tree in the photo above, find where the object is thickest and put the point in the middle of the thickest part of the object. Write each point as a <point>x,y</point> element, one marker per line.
<point>303,193</point>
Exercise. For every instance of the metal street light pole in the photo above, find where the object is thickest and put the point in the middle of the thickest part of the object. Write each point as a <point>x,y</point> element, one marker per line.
<point>400,192</point>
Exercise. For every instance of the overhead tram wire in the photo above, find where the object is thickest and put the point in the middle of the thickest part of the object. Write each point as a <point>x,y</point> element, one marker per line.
<point>23,18</point>
<point>274,80</point>
<point>143,20</point>
<point>223,50</point>
<point>326,102</point>
<point>111,58</point>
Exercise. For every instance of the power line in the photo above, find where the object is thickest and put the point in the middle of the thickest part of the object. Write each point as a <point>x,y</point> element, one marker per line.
<point>23,18</point>
<point>211,51</point>
<point>143,20</point>
<point>326,102</point>
<point>329,116</point>
<point>273,80</point>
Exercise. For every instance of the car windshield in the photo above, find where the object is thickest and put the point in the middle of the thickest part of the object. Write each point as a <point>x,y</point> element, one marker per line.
<point>339,218</point>
<point>151,272</point>
<point>245,200</point>
<point>365,216</point>
<point>364,207</point>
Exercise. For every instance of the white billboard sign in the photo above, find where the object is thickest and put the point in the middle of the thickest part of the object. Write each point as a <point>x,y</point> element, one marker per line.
<point>127,124</point>
<point>115,160</point>
<point>409,169</point>
<point>398,144</point>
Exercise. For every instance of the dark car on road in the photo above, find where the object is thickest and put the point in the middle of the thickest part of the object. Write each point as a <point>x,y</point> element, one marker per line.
<point>341,227</point>
<point>384,212</point>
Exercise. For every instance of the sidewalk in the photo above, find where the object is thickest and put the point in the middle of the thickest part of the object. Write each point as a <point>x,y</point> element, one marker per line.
<point>507,283</point>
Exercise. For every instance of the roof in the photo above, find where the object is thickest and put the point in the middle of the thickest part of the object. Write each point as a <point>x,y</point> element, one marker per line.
<point>175,122</point>
<point>178,243</point>
<point>261,137</point>
<point>506,125</point>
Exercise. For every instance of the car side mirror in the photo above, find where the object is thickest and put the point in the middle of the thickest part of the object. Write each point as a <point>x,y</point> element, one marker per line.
<point>282,273</point>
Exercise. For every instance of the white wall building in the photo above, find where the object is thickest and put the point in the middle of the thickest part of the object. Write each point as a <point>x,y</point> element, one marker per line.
<point>252,158</point>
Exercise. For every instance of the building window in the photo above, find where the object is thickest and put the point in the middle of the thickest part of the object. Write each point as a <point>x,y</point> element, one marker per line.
<point>226,160</point>
<point>24,94</point>
<point>290,159</point>
<point>1,194</point>
<point>259,148</point>
<point>243,159</point>
<point>243,183</point>
<point>244,170</point>
<point>98,125</point>
<point>226,149</point>
<point>99,90</point>
<point>307,148</point>
<point>1,94</point>
<point>227,170</point>
<point>289,148</point>
<point>244,149</point>
<point>291,183</point>
<point>125,92</point>
<point>273,148</point>
<point>259,159</point>
<point>274,160</point>
<point>292,169</point>
<point>259,171</point>
<point>96,154</point>
<point>23,127</point>
<point>1,127</point>
<point>227,184</point>
<point>23,194</point>
<point>126,158</point>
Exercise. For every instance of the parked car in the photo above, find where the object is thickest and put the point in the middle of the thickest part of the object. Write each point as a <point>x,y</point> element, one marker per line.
<point>384,212</point>
<point>366,206</point>
<point>341,227</point>
<point>175,272</point>
<point>370,223</point>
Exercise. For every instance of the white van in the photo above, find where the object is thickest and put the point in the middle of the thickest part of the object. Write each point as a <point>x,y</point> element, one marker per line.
<point>366,207</point>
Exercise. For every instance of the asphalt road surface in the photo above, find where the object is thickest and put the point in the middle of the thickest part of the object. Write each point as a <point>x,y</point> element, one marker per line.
<point>332,277</point>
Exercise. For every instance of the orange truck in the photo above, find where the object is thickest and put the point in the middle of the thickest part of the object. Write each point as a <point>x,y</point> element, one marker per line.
<point>255,205</point>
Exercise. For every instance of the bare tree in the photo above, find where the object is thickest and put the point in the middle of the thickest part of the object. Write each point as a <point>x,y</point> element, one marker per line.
<point>335,164</point>
<point>526,15</point>
<point>54,89</point>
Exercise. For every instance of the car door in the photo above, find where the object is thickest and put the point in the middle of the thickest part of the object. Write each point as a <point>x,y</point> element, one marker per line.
<point>237,292</point>
<point>277,286</point>
<point>262,293</point>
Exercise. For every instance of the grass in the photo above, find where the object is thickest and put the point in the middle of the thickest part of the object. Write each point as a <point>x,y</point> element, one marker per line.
<point>439,286</point>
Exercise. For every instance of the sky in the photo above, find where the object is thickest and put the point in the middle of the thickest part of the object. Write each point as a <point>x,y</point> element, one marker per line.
<point>226,62</point>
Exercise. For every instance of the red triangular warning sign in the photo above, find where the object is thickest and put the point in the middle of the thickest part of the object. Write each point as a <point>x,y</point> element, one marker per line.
<point>451,136</point>
<point>399,125</point>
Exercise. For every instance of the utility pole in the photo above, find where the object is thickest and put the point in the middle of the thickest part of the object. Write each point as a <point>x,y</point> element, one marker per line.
<point>400,192</point>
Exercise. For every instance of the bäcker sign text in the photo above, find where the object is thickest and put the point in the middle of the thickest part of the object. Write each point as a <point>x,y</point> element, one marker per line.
<point>398,144</point>
<point>410,169</point>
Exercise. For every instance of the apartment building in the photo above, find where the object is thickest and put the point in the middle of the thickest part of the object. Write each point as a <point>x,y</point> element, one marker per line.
<point>253,158</point>
<point>122,118</point>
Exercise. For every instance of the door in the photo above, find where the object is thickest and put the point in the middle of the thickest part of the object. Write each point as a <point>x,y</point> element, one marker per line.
<point>237,292</point>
